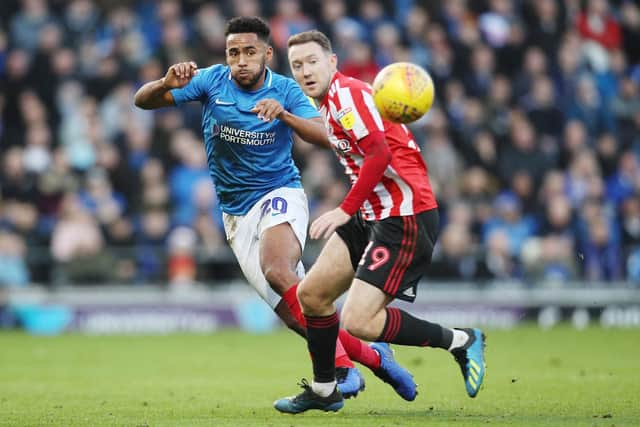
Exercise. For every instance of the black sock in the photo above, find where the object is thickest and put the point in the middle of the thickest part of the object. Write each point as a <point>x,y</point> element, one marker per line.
<point>402,328</point>
<point>322,333</point>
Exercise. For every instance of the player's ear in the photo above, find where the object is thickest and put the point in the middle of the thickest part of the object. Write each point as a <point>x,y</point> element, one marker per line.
<point>333,60</point>
<point>268,53</point>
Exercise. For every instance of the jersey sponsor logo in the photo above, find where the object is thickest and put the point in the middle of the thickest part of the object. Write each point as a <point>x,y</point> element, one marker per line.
<point>218,101</point>
<point>343,145</point>
<point>246,137</point>
<point>215,129</point>
<point>347,118</point>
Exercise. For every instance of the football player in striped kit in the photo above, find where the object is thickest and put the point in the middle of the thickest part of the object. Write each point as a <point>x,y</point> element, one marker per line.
<point>381,237</point>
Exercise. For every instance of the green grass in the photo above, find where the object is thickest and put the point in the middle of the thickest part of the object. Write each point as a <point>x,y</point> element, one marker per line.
<point>556,377</point>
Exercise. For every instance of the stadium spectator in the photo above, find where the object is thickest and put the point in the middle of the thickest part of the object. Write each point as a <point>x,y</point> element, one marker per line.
<point>442,62</point>
<point>602,256</point>
<point>478,189</point>
<point>625,182</point>
<point>510,221</point>
<point>549,259</point>
<point>625,106</point>
<point>523,153</point>
<point>546,22</point>
<point>543,112</point>
<point>590,108</point>
<point>630,25</point>
<point>498,258</point>
<point>181,257</point>
<point>596,24</point>
<point>558,217</point>
<point>445,165</point>
<point>569,68</point>
<point>360,61</point>
<point>534,67</point>
<point>455,257</point>
<point>28,23</point>
<point>153,187</point>
<point>478,79</point>
<point>608,153</point>
<point>13,266</point>
<point>17,183</point>
<point>496,23</point>
<point>415,23</point>
<point>498,105</point>
<point>77,245</point>
<point>287,20</point>
<point>331,15</point>
<point>52,185</point>
<point>522,186</point>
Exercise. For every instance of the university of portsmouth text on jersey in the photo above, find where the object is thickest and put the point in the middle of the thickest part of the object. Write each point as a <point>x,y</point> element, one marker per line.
<point>245,137</point>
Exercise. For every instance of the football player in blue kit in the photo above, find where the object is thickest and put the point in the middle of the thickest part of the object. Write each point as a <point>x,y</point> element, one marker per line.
<point>250,116</point>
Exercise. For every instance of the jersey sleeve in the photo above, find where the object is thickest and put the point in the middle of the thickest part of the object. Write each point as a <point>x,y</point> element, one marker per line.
<point>358,114</point>
<point>299,104</point>
<point>195,90</point>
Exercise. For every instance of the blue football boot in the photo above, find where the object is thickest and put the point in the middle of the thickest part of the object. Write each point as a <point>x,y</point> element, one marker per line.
<point>394,374</point>
<point>350,381</point>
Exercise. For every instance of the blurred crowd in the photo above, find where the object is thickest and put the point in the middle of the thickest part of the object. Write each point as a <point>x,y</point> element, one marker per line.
<point>533,144</point>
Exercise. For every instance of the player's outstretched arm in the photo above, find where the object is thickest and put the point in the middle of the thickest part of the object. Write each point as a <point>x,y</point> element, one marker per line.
<point>156,94</point>
<point>310,130</point>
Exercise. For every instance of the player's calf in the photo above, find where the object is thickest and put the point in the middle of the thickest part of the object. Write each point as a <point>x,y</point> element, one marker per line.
<point>290,319</point>
<point>359,328</point>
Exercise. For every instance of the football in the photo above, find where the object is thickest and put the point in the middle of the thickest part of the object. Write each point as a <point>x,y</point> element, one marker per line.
<point>403,92</point>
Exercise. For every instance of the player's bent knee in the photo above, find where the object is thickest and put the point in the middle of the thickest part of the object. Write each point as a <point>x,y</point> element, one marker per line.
<point>312,300</point>
<point>306,298</point>
<point>279,277</point>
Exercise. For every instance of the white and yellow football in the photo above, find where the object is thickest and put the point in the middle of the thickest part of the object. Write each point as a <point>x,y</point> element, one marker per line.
<point>403,92</point>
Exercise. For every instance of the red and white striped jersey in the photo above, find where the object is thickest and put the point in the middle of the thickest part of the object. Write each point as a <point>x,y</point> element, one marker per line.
<point>350,115</point>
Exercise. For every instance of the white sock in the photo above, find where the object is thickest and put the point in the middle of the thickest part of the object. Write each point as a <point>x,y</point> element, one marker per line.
<point>323,389</point>
<point>460,338</point>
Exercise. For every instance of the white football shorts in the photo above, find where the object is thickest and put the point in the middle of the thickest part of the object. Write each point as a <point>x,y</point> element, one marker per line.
<point>244,233</point>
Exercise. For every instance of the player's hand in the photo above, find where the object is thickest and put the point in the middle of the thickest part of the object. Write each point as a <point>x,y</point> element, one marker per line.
<point>268,109</point>
<point>178,75</point>
<point>327,223</point>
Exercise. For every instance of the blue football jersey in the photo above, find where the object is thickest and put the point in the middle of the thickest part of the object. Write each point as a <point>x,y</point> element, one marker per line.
<point>247,156</point>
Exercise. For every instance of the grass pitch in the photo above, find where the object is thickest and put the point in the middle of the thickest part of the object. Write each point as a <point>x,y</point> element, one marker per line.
<point>557,377</point>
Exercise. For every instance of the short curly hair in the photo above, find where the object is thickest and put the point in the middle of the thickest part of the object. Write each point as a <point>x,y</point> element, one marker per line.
<point>248,24</point>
